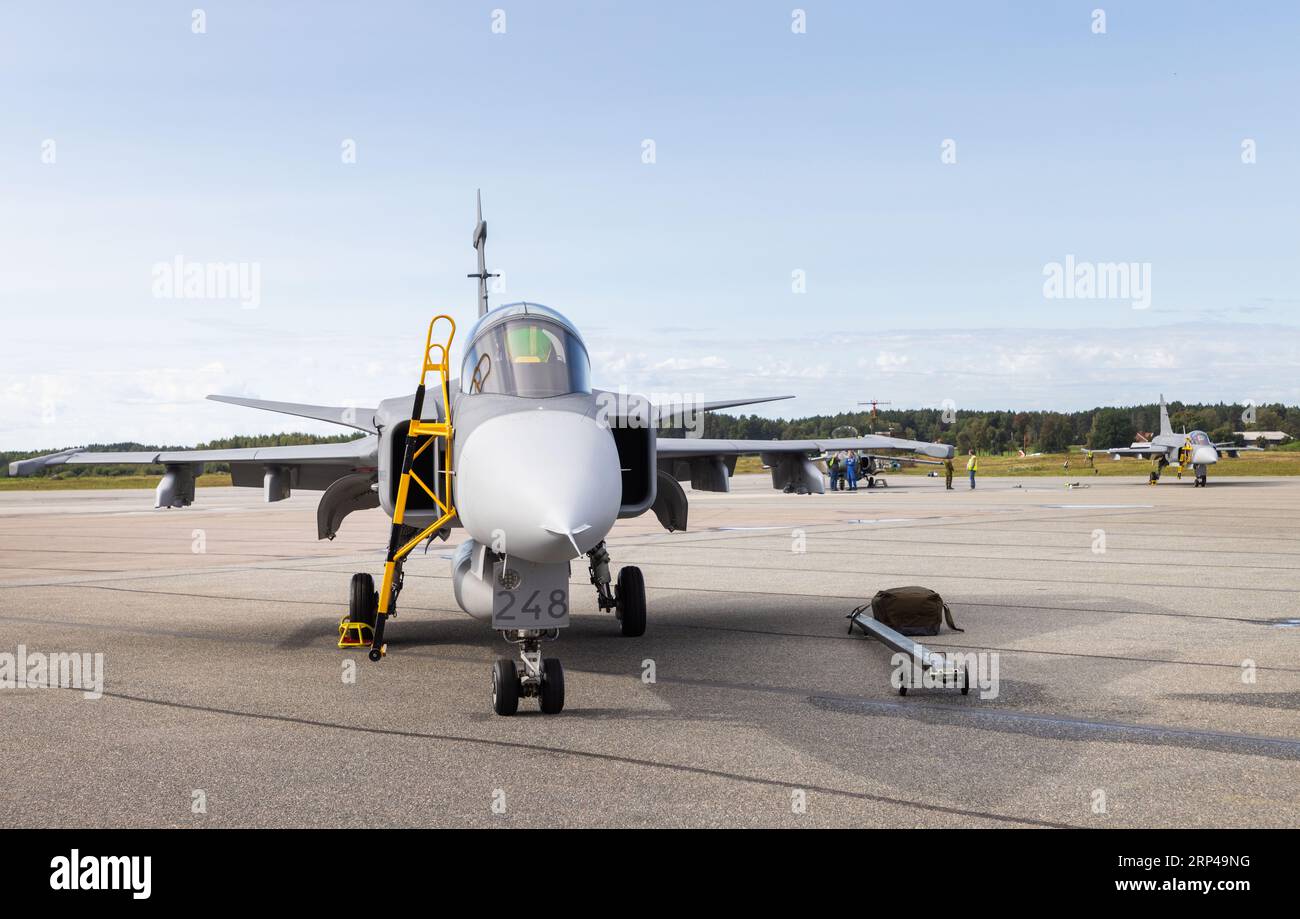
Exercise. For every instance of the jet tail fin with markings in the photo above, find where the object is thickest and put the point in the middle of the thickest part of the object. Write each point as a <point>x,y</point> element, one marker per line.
<point>1165,426</point>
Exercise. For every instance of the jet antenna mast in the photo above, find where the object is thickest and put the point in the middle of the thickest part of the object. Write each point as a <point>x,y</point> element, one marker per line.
<point>480,244</point>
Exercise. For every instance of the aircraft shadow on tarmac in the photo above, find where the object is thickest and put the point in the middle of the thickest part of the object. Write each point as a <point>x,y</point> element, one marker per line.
<point>1032,708</point>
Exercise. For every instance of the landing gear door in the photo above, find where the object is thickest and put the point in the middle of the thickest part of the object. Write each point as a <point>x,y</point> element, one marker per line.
<point>529,596</point>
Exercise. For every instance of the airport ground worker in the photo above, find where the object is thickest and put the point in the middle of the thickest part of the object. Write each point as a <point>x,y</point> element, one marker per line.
<point>947,473</point>
<point>972,466</point>
<point>833,464</point>
<point>851,471</point>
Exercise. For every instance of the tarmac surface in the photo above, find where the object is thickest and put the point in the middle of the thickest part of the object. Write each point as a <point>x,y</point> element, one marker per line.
<point>1147,645</point>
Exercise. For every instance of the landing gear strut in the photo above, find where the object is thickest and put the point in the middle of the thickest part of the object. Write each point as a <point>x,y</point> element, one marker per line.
<point>542,677</point>
<point>627,600</point>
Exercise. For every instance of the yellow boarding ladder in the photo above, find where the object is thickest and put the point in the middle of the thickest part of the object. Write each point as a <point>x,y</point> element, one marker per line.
<point>419,436</point>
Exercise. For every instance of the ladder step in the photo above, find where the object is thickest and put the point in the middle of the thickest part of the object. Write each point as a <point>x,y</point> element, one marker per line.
<point>429,429</point>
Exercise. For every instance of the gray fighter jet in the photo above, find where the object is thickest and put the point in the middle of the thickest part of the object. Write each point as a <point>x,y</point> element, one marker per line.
<point>525,455</point>
<point>1178,450</point>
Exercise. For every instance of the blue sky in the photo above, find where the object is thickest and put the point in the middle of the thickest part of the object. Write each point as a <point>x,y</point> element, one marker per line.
<point>775,152</point>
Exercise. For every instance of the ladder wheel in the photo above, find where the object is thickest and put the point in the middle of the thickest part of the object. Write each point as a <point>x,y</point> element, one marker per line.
<point>552,686</point>
<point>631,601</point>
<point>363,602</point>
<point>505,687</point>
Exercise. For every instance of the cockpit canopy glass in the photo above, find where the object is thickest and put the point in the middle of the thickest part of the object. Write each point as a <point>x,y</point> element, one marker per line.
<point>532,354</point>
<point>1199,439</point>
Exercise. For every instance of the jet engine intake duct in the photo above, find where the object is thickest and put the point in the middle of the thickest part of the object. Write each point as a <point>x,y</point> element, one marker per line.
<point>636,459</point>
<point>428,466</point>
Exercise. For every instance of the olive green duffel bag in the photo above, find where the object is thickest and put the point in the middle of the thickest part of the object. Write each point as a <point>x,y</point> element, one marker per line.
<point>912,610</point>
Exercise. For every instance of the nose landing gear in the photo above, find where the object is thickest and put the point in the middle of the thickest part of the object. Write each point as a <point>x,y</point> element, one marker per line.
<point>541,677</point>
<point>627,600</point>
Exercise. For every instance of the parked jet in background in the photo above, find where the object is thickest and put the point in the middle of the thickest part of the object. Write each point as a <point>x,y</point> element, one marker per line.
<point>1180,450</point>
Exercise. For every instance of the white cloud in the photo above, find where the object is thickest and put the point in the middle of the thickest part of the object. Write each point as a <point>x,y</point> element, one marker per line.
<point>887,361</point>
<point>1063,369</point>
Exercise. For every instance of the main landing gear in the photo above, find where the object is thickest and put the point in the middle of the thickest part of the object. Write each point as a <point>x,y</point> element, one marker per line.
<point>357,629</point>
<point>542,677</point>
<point>627,599</point>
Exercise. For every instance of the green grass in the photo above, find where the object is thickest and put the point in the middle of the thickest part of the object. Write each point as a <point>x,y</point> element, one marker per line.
<point>1270,462</point>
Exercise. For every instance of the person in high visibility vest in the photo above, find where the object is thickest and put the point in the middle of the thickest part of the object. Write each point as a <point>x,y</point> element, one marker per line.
<point>972,466</point>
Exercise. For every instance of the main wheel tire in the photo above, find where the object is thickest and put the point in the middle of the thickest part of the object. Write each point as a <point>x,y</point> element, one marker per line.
<point>505,687</point>
<point>631,601</point>
<point>552,686</point>
<point>363,601</point>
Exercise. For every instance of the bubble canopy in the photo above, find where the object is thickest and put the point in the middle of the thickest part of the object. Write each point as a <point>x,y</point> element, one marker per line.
<point>525,349</point>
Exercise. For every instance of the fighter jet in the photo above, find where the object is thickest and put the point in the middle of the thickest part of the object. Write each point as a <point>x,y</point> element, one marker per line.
<point>522,453</point>
<point>1178,450</point>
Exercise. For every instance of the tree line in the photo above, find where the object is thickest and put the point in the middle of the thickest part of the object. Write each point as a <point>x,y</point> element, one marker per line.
<point>1008,431</point>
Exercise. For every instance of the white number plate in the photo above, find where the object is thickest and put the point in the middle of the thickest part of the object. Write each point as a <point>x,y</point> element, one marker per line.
<point>530,596</point>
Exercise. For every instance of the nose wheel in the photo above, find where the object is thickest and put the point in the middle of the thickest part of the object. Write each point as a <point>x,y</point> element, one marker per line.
<point>539,677</point>
<point>505,687</point>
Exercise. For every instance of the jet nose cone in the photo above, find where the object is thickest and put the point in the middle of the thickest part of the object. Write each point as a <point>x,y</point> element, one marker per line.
<point>543,485</point>
<point>1204,456</point>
